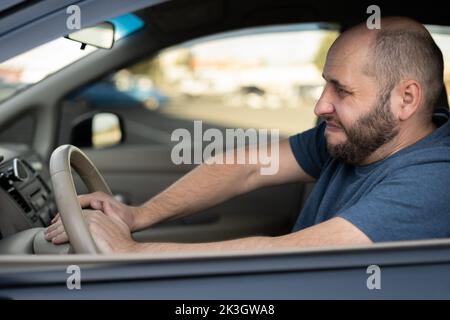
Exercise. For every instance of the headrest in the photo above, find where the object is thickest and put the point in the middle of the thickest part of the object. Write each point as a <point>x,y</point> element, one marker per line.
<point>441,110</point>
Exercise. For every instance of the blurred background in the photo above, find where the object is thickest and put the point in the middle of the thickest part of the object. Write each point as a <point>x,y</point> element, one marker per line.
<point>268,77</point>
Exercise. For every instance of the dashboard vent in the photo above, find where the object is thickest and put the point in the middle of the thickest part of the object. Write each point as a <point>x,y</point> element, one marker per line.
<point>19,200</point>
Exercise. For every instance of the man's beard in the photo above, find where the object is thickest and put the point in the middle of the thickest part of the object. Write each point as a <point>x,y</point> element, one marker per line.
<point>368,133</point>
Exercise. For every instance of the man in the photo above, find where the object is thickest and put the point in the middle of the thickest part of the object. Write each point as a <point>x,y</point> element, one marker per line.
<point>381,166</point>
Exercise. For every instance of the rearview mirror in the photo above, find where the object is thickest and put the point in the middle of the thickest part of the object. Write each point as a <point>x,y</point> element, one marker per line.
<point>100,36</point>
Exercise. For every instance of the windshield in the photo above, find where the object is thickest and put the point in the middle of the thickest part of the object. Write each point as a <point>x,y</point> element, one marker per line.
<point>32,66</point>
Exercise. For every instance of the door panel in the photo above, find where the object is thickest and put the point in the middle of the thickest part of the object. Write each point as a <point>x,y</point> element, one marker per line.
<point>410,270</point>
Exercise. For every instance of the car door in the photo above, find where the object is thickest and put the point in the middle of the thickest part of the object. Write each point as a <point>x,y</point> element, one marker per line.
<point>208,83</point>
<point>408,270</point>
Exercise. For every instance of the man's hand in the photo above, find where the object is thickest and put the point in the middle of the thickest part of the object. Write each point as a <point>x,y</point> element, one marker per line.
<point>100,201</point>
<point>111,234</point>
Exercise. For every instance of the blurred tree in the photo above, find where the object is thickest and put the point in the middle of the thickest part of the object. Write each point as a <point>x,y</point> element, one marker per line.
<point>150,68</point>
<point>154,67</point>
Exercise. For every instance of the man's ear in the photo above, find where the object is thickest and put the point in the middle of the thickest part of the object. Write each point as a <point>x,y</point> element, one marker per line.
<point>409,98</point>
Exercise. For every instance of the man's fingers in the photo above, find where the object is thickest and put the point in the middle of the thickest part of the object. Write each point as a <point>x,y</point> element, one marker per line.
<point>55,218</point>
<point>56,233</point>
<point>51,234</point>
<point>96,204</point>
<point>108,210</point>
<point>92,200</point>
<point>54,226</point>
<point>86,199</point>
<point>60,238</point>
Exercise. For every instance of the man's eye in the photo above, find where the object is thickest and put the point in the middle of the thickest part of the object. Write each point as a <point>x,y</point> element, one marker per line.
<point>342,92</point>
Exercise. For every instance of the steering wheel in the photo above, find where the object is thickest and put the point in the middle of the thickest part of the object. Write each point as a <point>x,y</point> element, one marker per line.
<point>62,160</point>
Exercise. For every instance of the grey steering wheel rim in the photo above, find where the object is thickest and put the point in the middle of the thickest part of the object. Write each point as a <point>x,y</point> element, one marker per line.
<point>62,160</point>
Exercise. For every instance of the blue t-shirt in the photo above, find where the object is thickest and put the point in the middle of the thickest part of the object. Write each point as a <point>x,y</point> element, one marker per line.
<point>403,197</point>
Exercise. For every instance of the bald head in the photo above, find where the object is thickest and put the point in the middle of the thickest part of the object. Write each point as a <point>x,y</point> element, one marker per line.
<point>402,49</point>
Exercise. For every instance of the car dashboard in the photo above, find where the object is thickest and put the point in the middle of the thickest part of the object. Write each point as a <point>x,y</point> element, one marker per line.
<point>26,198</point>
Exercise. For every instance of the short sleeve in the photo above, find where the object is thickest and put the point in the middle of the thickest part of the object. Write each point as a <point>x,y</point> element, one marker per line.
<point>310,150</point>
<point>411,204</point>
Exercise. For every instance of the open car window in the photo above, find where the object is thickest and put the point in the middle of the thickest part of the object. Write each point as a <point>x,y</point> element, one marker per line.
<point>260,77</point>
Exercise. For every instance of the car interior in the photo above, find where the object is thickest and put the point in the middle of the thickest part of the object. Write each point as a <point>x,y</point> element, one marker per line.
<point>58,110</point>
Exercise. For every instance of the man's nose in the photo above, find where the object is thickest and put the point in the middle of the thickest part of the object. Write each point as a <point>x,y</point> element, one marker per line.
<point>324,105</point>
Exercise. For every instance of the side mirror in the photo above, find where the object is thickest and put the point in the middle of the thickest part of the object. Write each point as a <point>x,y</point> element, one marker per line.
<point>100,36</point>
<point>97,130</point>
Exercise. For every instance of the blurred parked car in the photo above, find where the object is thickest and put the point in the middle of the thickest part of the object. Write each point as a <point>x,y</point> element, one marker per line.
<point>105,94</point>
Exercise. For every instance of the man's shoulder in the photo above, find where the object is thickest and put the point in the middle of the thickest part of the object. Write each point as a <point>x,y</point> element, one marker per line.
<point>429,159</point>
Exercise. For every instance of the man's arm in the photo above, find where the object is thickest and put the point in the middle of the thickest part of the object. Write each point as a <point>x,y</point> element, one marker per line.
<point>112,236</point>
<point>203,187</point>
<point>334,232</point>
<point>211,184</point>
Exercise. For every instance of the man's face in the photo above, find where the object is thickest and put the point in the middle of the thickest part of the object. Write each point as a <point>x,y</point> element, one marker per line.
<point>357,111</point>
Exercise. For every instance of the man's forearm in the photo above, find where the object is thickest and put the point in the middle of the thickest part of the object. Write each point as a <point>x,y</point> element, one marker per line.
<point>331,233</point>
<point>251,243</point>
<point>211,184</point>
<point>203,187</point>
